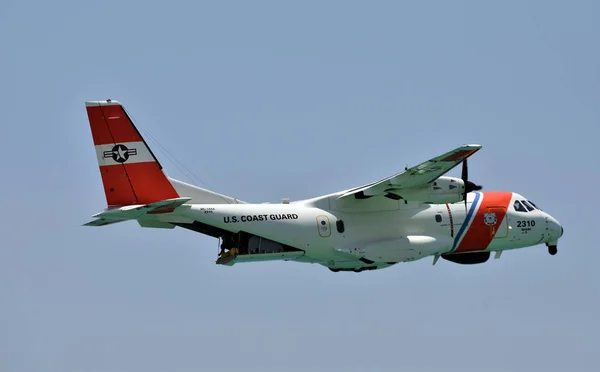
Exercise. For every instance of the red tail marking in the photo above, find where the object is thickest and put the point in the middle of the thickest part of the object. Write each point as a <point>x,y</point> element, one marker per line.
<point>149,183</point>
<point>137,183</point>
<point>117,187</point>
<point>110,124</point>
<point>479,235</point>
<point>129,182</point>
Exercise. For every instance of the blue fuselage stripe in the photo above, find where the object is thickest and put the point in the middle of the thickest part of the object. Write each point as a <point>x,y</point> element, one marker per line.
<point>463,228</point>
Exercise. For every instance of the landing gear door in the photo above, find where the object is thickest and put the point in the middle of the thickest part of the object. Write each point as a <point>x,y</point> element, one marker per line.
<point>497,220</point>
<point>323,226</point>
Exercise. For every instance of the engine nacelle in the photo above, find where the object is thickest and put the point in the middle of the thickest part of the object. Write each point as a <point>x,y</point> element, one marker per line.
<point>442,190</point>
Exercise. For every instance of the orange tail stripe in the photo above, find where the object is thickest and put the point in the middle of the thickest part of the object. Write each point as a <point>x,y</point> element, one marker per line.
<point>137,183</point>
<point>110,124</point>
<point>130,172</point>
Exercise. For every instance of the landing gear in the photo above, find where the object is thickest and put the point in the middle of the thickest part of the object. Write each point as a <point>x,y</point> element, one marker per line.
<point>552,249</point>
<point>228,250</point>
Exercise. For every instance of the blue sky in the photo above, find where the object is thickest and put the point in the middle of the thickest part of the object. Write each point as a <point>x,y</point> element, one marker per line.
<point>265,100</point>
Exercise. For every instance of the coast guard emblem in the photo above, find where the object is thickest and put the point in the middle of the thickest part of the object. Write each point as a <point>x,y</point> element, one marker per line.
<point>490,219</point>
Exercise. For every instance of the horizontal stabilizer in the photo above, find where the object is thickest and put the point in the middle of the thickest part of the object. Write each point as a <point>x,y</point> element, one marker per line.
<point>132,212</point>
<point>102,222</point>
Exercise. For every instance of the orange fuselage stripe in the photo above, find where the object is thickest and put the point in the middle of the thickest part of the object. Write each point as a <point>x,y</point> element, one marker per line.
<point>479,235</point>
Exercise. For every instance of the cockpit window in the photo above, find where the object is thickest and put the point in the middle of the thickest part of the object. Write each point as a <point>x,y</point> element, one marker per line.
<point>527,205</point>
<point>535,206</point>
<point>519,207</point>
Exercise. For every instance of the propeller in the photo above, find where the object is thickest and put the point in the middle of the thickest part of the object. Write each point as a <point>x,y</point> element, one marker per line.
<point>469,186</point>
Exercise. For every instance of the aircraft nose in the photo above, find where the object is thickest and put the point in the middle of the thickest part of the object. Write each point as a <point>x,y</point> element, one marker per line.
<point>556,228</point>
<point>562,231</point>
<point>556,231</point>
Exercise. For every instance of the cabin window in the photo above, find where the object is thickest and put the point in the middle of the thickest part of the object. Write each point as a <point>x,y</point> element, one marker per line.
<point>438,218</point>
<point>527,205</point>
<point>519,207</point>
<point>339,224</point>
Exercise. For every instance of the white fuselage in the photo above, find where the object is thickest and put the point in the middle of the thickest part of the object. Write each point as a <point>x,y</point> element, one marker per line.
<point>402,232</point>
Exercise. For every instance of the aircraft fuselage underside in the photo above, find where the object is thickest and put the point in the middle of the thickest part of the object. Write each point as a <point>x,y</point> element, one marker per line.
<point>367,240</point>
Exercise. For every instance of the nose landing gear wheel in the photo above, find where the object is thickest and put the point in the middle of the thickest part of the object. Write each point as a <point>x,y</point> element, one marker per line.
<point>552,249</point>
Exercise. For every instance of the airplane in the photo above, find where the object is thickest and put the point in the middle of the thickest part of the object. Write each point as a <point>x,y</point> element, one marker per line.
<point>406,217</point>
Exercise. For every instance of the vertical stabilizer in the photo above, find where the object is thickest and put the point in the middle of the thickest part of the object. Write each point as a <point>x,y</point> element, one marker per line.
<point>131,174</point>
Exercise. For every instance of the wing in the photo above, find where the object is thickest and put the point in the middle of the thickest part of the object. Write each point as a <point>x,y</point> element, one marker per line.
<point>415,177</point>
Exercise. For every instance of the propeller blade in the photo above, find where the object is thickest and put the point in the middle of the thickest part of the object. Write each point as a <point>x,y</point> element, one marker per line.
<point>465,178</point>
<point>469,186</point>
